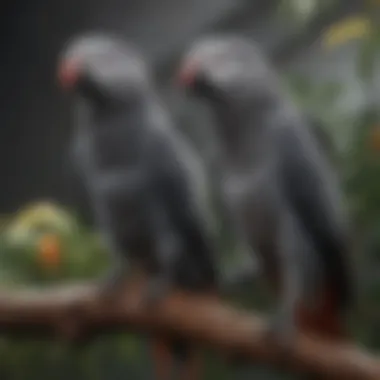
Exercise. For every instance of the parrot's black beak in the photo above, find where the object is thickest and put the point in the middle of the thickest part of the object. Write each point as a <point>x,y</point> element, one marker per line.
<point>68,74</point>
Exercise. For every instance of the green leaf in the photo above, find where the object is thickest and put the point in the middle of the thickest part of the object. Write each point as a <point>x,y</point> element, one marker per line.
<point>366,60</point>
<point>368,54</point>
<point>328,93</point>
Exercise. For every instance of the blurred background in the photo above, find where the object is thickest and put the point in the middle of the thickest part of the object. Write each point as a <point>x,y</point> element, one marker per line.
<point>327,53</point>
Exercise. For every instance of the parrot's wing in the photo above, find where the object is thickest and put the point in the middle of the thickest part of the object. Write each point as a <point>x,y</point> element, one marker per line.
<point>181,187</point>
<point>311,192</point>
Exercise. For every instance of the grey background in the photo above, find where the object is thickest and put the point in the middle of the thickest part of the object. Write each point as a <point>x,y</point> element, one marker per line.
<point>35,117</point>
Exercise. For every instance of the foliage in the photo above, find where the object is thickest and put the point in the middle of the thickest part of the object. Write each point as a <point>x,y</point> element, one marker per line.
<point>358,142</point>
<point>303,11</point>
<point>44,243</point>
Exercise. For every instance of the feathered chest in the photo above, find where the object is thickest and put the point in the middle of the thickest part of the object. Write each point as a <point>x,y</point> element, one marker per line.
<point>113,163</point>
<point>253,197</point>
<point>111,140</point>
<point>117,149</point>
<point>245,187</point>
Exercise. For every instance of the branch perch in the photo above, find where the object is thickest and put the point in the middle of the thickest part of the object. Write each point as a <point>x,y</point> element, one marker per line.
<point>75,311</point>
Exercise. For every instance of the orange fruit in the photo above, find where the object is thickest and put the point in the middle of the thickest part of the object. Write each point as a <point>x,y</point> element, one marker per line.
<point>49,251</point>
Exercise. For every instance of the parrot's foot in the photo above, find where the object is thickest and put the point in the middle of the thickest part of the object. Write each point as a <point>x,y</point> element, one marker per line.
<point>113,282</point>
<point>282,331</point>
<point>237,279</point>
<point>311,293</point>
<point>312,303</point>
<point>157,289</point>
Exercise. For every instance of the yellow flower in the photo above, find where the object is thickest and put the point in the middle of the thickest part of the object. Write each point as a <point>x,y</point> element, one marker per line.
<point>350,28</point>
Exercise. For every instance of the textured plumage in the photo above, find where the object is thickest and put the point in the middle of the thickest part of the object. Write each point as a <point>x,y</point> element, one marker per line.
<point>280,186</point>
<point>148,189</point>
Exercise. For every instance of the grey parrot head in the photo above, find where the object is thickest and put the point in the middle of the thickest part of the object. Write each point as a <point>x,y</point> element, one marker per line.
<point>227,68</point>
<point>102,67</point>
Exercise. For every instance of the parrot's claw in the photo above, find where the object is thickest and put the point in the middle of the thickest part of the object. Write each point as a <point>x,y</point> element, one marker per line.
<point>157,289</point>
<point>282,331</point>
<point>113,282</point>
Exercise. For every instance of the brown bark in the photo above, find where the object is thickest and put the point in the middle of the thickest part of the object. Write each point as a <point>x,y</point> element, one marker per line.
<point>79,311</point>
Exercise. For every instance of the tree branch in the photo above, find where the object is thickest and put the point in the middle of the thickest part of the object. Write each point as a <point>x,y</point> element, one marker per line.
<point>78,311</point>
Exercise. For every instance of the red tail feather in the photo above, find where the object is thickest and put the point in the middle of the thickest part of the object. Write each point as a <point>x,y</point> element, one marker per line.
<point>325,320</point>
